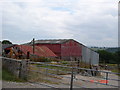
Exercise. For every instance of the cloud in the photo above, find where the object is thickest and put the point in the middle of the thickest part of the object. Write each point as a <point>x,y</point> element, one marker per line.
<point>92,23</point>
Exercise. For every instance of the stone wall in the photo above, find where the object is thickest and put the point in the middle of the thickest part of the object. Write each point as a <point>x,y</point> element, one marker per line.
<point>16,67</point>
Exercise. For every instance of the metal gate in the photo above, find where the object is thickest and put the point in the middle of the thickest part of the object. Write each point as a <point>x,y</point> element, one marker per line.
<point>59,76</point>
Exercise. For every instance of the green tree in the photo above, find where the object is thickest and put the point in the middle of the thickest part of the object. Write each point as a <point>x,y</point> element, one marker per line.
<point>117,57</point>
<point>6,42</point>
<point>106,57</point>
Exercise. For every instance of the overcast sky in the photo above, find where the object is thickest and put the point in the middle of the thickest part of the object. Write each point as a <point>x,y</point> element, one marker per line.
<point>91,22</point>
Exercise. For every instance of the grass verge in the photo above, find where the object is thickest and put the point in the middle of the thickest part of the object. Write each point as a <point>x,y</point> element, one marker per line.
<point>116,71</point>
<point>8,76</point>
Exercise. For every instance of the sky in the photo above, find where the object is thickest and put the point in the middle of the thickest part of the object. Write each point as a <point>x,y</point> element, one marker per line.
<point>90,22</point>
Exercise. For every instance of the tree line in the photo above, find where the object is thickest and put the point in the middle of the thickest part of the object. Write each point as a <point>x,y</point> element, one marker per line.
<point>109,57</point>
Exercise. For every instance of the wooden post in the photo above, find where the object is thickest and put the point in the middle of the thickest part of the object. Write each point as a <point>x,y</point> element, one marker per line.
<point>78,64</point>
<point>106,78</point>
<point>33,46</point>
<point>24,69</point>
<point>71,82</point>
<point>28,55</point>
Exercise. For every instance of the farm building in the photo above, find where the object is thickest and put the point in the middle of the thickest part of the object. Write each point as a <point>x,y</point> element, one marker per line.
<point>67,48</point>
<point>21,51</point>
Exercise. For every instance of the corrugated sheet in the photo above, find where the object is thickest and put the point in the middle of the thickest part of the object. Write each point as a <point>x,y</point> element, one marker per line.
<point>90,56</point>
<point>39,51</point>
<point>71,48</point>
<point>55,48</point>
<point>95,58</point>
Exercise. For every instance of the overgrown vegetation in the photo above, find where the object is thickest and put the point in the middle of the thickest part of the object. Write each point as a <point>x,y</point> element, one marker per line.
<point>43,59</point>
<point>108,57</point>
<point>8,76</point>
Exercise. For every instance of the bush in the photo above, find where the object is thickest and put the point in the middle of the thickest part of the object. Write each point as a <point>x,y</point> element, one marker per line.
<point>39,59</point>
<point>64,62</point>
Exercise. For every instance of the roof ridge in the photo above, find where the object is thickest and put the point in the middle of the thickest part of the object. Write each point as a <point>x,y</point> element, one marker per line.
<point>52,39</point>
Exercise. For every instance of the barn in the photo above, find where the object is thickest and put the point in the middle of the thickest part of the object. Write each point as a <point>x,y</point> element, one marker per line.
<point>67,48</point>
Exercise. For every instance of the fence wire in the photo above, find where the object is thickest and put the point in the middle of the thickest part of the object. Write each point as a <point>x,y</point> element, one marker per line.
<point>59,76</point>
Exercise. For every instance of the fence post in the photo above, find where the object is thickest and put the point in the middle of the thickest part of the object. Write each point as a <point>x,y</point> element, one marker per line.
<point>78,65</point>
<point>24,69</point>
<point>71,84</point>
<point>106,78</point>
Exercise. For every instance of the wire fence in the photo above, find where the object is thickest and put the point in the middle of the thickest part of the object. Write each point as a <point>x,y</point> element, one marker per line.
<point>56,75</point>
<point>66,76</point>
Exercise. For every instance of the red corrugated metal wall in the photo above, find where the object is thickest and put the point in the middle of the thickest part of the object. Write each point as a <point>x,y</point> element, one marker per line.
<point>71,48</point>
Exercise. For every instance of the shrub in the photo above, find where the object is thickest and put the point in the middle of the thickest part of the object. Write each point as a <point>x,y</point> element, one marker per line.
<point>39,59</point>
<point>64,62</point>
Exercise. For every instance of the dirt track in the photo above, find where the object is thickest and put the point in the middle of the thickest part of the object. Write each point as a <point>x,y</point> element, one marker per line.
<point>80,83</point>
<point>65,83</point>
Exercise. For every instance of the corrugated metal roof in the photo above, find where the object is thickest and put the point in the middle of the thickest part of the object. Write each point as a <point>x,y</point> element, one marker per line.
<point>51,41</point>
<point>39,51</point>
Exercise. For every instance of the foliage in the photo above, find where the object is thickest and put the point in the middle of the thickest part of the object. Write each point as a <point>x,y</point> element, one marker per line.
<point>39,59</point>
<point>117,57</point>
<point>43,59</point>
<point>6,42</point>
<point>108,57</point>
<point>64,62</point>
